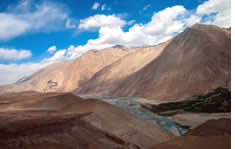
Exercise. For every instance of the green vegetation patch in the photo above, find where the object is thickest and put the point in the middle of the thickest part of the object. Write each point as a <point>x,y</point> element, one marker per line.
<point>219,100</point>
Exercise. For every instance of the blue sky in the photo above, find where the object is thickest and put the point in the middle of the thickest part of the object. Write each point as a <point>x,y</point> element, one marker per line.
<point>35,33</point>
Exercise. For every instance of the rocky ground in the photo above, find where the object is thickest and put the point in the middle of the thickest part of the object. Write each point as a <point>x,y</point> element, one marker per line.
<point>33,120</point>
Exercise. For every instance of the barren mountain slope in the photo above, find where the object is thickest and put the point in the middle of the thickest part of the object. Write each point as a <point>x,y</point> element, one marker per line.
<point>30,120</point>
<point>67,75</point>
<point>109,78</point>
<point>195,61</point>
<point>214,134</point>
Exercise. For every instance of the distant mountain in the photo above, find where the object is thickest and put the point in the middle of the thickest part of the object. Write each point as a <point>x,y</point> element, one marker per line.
<point>119,46</point>
<point>67,75</point>
<point>194,62</point>
<point>109,78</point>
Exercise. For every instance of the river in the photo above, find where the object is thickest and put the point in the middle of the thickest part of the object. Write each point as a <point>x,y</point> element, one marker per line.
<point>131,105</point>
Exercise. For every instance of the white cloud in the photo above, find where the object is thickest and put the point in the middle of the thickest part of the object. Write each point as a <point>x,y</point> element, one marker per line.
<point>52,49</point>
<point>165,21</point>
<point>13,54</point>
<point>12,26</point>
<point>104,7</point>
<point>69,24</point>
<point>145,8</point>
<point>163,25</point>
<point>73,52</point>
<point>10,73</point>
<point>222,9</point>
<point>57,57</point>
<point>193,19</point>
<point>131,22</point>
<point>95,6</point>
<point>101,21</point>
<point>26,17</point>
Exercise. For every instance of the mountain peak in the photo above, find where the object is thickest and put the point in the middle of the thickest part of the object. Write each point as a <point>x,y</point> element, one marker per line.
<point>205,27</point>
<point>187,65</point>
<point>118,46</point>
<point>198,26</point>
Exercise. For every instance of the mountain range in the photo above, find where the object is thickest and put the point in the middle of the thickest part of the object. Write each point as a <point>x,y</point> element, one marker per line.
<point>192,63</point>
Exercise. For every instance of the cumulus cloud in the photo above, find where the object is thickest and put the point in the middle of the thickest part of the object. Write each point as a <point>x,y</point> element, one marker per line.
<point>221,9</point>
<point>101,21</point>
<point>52,49</point>
<point>57,57</point>
<point>95,6</point>
<point>26,17</point>
<point>13,54</point>
<point>163,25</point>
<point>193,19</point>
<point>166,21</point>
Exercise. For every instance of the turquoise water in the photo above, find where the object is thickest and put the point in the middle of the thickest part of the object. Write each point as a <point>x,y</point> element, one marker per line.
<point>132,106</point>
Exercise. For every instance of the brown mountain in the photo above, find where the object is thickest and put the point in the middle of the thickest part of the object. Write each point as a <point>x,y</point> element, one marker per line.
<point>192,63</point>
<point>195,142</point>
<point>32,120</point>
<point>214,134</point>
<point>67,75</point>
<point>111,76</point>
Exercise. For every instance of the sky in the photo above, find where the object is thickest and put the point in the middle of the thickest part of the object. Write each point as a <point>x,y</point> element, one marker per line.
<point>36,33</point>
